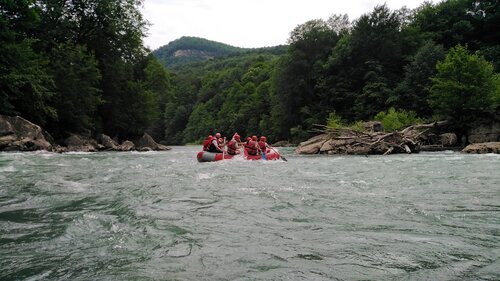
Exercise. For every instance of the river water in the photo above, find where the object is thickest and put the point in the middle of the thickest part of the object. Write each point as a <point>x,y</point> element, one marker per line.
<point>164,216</point>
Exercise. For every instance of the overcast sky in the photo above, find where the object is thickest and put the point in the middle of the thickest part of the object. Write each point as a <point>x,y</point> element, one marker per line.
<point>246,23</point>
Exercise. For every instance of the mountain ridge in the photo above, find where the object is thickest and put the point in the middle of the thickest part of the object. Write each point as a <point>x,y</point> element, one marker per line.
<point>189,49</point>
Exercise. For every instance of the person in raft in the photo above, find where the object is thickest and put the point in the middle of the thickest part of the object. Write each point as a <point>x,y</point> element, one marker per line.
<point>220,141</point>
<point>211,144</point>
<point>233,146</point>
<point>206,143</point>
<point>263,146</point>
<point>252,146</point>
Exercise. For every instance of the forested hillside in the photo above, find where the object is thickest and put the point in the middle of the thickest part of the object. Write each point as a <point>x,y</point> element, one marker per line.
<point>187,50</point>
<point>81,66</point>
<point>439,61</point>
<point>193,49</point>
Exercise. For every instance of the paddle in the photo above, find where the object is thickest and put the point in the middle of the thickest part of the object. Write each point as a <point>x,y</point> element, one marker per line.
<point>281,156</point>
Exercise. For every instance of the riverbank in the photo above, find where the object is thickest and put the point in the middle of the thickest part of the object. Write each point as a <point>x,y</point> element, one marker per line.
<point>19,134</point>
<point>373,140</point>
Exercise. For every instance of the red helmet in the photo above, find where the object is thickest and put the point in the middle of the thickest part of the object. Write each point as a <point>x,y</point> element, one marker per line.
<point>254,138</point>
<point>217,135</point>
<point>210,136</point>
<point>262,138</point>
<point>249,138</point>
<point>237,137</point>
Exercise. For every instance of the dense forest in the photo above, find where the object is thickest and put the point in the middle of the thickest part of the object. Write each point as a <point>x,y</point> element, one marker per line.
<point>76,66</point>
<point>80,66</point>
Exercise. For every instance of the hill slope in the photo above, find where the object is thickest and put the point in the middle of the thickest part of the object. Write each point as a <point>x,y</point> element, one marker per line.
<point>193,49</point>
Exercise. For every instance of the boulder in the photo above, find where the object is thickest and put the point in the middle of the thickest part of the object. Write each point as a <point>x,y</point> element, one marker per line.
<point>17,133</point>
<point>60,149</point>
<point>80,143</point>
<point>126,146</point>
<point>313,145</point>
<point>487,147</point>
<point>162,147</point>
<point>146,143</point>
<point>448,139</point>
<point>5,127</point>
<point>107,142</point>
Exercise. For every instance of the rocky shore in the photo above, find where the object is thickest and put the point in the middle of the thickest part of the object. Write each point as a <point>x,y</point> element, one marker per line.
<point>424,137</point>
<point>19,134</point>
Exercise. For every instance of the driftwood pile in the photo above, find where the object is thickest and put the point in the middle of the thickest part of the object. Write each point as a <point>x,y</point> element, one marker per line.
<point>349,141</point>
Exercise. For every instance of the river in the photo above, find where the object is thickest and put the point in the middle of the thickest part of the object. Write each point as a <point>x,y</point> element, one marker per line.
<point>164,216</point>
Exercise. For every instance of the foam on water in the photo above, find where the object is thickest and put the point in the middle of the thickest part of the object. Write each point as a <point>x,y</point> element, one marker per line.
<point>163,215</point>
<point>9,168</point>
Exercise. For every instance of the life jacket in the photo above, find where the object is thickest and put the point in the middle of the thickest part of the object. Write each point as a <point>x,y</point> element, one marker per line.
<point>212,147</point>
<point>251,149</point>
<point>231,147</point>
<point>263,146</point>
<point>206,143</point>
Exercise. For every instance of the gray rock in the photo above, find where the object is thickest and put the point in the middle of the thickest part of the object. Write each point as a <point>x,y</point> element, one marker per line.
<point>126,146</point>
<point>17,133</point>
<point>448,139</point>
<point>313,145</point>
<point>81,143</point>
<point>107,142</point>
<point>487,147</point>
<point>5,127</point>
<point>146,143</point>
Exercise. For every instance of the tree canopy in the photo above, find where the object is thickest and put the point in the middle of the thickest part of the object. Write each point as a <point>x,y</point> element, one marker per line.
<point>465,86</point>
<point>80,65</point>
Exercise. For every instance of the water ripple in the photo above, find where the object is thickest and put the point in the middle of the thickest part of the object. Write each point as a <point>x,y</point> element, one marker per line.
<point>162,215</point>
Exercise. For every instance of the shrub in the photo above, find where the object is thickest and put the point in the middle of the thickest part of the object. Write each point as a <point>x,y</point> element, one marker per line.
<point>333,121</point>
<point>393,120</point>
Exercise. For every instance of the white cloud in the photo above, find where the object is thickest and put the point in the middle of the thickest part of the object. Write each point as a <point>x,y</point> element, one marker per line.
<point>245,23</point>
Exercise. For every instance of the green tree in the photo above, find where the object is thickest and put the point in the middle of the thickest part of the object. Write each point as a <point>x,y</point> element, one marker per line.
<point>413,92</point>
<point>465,86</point>
<point>158,80</point>
<point>201,123</point>
<point>25,86</point>
<point>358,78</point>
<point>298,75</point>
<point>77,95</point>
<point>376,59</point>
<point>177,111</point>
<point>447,23</point>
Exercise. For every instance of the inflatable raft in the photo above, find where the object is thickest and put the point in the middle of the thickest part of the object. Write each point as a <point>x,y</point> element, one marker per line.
<point>205,156</point>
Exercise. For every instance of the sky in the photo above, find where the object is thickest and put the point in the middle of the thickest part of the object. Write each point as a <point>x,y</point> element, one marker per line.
<point>246,23</point>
